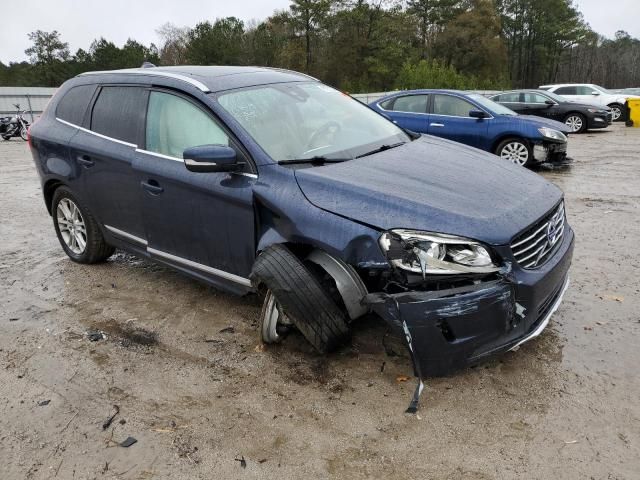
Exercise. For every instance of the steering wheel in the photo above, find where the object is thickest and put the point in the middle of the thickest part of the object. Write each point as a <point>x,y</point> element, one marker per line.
<point>331,127</point>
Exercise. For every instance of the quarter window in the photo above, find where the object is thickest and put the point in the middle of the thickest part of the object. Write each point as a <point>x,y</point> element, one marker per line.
<point>118,113</point>
<point>451,106</point>
<point>73,105</point>
<point>411,104</point>
<point>175,124</point>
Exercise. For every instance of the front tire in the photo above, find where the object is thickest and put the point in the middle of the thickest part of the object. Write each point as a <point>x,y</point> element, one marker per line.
<point>515,150</point>
<point>23,134</point>
<point>617,112</point>
<point>77,230</point>
<point>297,296</point>
<point>576,122</point>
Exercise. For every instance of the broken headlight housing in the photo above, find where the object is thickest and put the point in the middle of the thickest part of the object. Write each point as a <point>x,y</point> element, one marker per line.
<point>552,134</point>
<point>429,253</point>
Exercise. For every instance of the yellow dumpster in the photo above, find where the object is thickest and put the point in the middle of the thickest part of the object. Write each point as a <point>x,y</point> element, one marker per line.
<point>633,109</point>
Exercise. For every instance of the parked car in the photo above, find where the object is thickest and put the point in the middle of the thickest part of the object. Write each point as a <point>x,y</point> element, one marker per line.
<point>577,116</point>
<point>476,121</point>
<point>261,180</point>
<point>592,94</point>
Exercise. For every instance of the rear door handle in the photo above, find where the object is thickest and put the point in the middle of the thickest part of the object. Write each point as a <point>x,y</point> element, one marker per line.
<point>85,161</point>
<point>152,187</point>
<point>436,124</point>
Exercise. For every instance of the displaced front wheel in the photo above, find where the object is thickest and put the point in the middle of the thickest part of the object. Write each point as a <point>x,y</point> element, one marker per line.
<point>294,294</point>
<point>515,150</point>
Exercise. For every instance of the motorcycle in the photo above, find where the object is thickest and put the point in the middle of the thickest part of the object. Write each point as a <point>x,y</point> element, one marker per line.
<point>16,126</point>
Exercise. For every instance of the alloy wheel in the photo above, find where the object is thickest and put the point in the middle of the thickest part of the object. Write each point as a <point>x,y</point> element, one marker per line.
<point>616,112</point>
<point>273,319</point>
<point>515,152</point>
<point>71,225</point>
<point>574,123</point>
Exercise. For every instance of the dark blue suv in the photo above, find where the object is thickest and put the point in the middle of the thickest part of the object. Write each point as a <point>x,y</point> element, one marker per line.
<point>476,121</point>
<point>263,180</point>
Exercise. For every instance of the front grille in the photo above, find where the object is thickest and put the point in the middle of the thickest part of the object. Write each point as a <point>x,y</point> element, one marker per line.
<point>537,244</point>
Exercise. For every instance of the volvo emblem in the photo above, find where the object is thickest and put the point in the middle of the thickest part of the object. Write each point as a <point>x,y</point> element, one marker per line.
<point>552,232</point>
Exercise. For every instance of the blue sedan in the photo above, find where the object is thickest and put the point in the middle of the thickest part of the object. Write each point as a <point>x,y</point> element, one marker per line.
<point>476,121</point>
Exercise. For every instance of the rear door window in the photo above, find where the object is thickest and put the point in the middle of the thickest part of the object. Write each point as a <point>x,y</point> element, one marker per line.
<point>175,124</point>
<point>451,106</point>
<point>586,90</point>
<point>74,103</point>
<point>411,104</point>
<point>118,113</point>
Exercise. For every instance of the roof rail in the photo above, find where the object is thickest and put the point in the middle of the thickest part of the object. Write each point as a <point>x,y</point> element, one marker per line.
<point>152,71</point>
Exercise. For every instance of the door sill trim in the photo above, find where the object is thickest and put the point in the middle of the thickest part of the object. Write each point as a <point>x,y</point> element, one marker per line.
<point>199,266</point>
<point>126,235</point>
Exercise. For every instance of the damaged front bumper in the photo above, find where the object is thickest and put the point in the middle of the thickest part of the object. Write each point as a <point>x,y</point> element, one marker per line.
<point>450,329</point>
<point>551,152</point>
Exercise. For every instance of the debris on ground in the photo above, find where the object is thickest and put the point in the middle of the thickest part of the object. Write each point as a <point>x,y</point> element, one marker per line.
<point>96,335</point>
<point>109,420</point>
<point>243,462</point>
<point>228,330</point>
<point>44,403</point>
<point>402,378</point>
<point>128,442</point>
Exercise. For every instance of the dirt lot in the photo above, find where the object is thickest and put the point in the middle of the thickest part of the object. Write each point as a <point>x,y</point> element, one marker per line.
<point>193,386</point>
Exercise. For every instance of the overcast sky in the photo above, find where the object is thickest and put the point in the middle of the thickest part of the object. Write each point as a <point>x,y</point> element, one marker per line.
<point>81,21</point>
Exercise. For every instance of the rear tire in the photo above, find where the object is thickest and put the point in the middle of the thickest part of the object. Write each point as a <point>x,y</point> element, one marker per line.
<point>516,151</point>
<point>576,122</point>
<point>300,298</point>
<point>77,230</point>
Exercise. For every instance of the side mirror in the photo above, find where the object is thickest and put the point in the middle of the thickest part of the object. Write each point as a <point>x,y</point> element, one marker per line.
<point>477,114</point>
<point>211,158</point>
<point>551,103</point>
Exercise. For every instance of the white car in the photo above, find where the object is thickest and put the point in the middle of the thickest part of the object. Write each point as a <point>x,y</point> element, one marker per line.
<point>590,93</point>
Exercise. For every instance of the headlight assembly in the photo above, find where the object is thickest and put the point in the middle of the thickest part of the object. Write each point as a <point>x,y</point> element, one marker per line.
<point>552,134</point>
<point>435,253</point>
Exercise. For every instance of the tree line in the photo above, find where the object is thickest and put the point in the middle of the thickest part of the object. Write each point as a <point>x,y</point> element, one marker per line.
<point>375,45</point>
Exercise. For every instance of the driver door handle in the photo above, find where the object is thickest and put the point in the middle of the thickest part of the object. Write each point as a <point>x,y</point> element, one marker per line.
<point>436,124</point>
<point>152,187</point>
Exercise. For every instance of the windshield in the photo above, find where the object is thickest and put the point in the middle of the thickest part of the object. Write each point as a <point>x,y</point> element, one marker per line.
<point>555,96</point>
<point>293,121</point>
<point>603,90</point>
<point>491,105</point>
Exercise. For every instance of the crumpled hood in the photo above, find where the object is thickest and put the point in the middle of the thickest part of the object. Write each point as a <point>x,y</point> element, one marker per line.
<point>538,122</point>
<point>435,185</point>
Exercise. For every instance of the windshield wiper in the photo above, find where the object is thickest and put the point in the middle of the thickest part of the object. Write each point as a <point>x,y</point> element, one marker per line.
<point>312,160</point>
<point>381,148</point>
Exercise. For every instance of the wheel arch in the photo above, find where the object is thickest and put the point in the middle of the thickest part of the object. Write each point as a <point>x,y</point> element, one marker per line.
<point>508,136</point>
<point>49,189</point>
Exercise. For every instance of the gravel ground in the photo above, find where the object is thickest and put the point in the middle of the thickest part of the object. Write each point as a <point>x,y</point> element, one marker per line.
<point>184,366</point>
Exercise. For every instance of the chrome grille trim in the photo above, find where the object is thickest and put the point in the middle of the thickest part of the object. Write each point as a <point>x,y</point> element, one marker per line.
<point>533,247</point>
